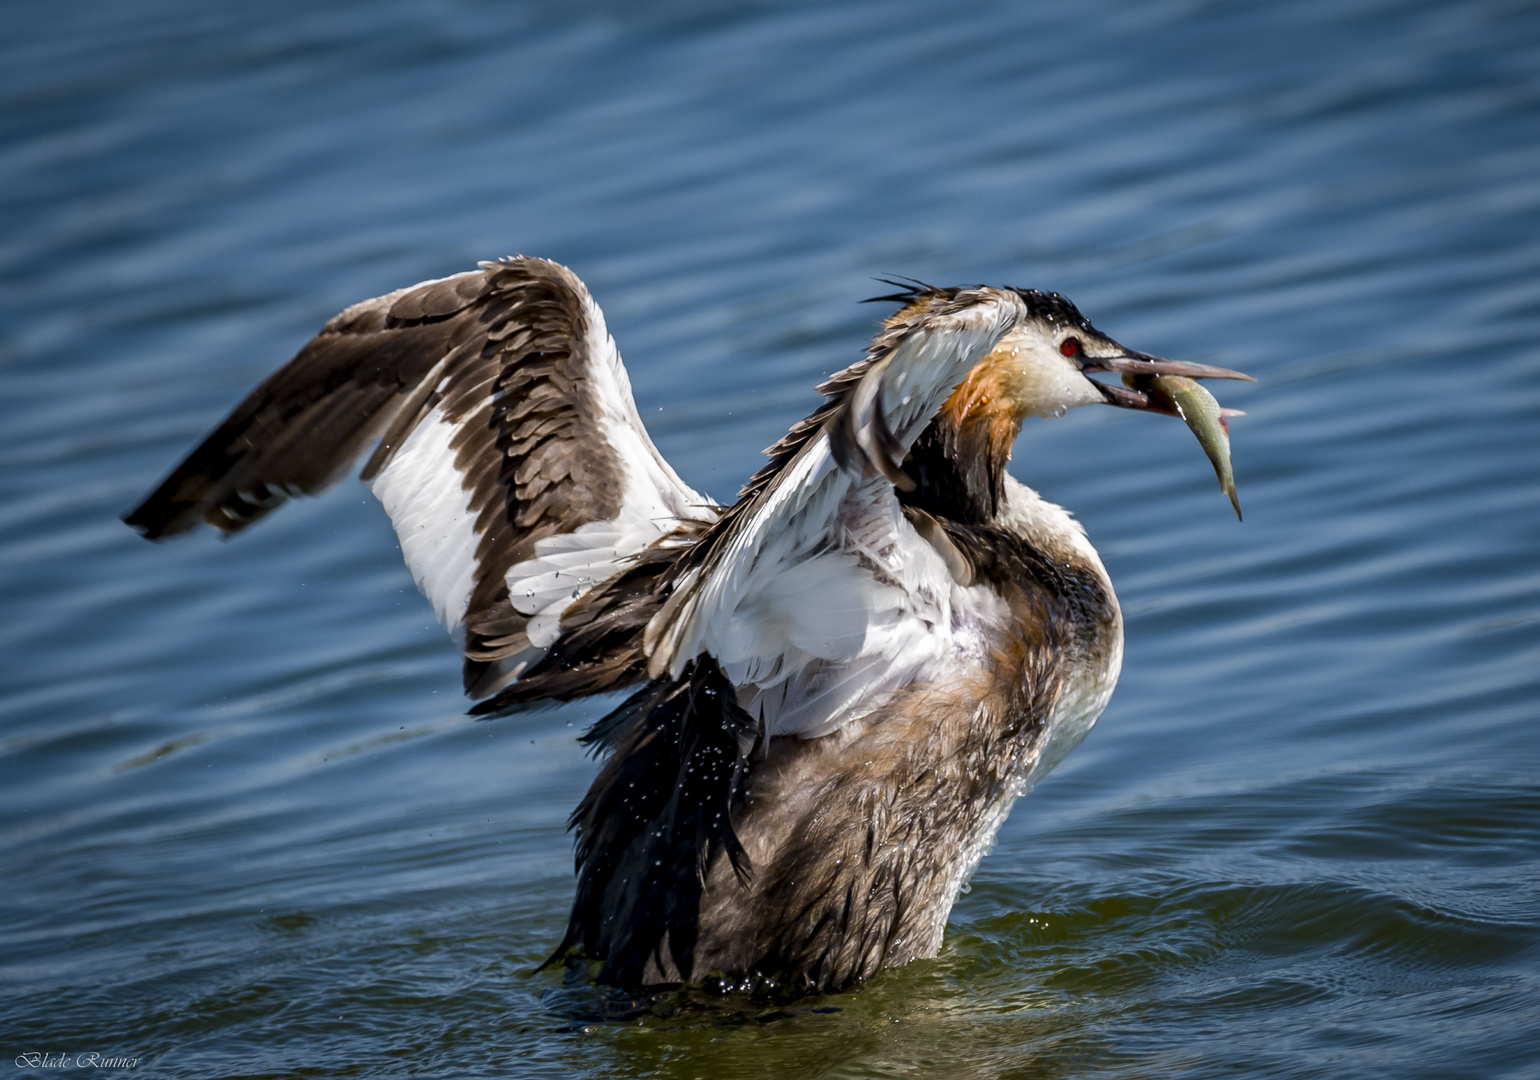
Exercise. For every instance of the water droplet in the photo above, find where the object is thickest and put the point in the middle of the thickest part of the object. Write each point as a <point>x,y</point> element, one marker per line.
<point>1060,411</point>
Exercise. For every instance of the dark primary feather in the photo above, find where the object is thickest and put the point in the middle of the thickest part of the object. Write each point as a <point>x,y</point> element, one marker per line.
<point>298,431</point>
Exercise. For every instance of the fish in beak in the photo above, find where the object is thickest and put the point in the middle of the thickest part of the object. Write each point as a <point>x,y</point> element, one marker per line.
<point>1170,387</point>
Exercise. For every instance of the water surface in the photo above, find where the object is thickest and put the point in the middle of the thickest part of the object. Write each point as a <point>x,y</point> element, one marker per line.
<point>246,829</point>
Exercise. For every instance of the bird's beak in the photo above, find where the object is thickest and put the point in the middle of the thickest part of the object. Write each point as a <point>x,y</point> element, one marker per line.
<point>1168,386</point>
<point>1138,363</point>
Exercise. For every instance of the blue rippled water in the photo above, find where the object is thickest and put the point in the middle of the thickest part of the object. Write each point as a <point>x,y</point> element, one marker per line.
<point>246,829</point>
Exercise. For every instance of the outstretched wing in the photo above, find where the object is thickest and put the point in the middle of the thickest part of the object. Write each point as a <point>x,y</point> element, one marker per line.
<point>511,458</point>
<point>815,591</point>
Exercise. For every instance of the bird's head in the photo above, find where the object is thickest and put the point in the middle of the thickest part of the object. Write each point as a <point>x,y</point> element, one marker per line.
<point>1043,365</point>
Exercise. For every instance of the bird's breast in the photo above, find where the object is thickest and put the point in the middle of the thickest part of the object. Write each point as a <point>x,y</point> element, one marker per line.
<point>861,839</point>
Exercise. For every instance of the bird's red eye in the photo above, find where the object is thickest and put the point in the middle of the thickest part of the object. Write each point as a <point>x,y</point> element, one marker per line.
<point>1069,346</point>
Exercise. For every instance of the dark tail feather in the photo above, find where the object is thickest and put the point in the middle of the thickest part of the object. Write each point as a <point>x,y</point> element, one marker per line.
<point>658,813</point>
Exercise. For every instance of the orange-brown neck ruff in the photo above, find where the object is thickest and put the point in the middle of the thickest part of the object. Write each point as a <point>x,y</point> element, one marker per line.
<point>958,462</point>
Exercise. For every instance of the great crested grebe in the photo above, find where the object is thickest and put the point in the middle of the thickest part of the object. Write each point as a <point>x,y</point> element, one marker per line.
<point>839,683</point>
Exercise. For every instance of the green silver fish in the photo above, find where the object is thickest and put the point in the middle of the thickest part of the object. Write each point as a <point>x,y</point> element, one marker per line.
<point>1198,409</point>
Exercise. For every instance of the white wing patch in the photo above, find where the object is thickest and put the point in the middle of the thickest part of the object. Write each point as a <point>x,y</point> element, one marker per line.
<point>425,496</point>
<point>833,634</point>
<point>653,490</point>
<point>656,501</point>
<point>567,566</point>
<point>827,598</point>
<point>799,515</point>
<point>423,493</point>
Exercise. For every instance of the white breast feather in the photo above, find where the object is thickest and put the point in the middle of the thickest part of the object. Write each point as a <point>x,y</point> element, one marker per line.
<point>1088,687</point>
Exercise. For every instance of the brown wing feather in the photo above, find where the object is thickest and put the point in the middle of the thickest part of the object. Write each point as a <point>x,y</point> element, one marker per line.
<point>298,431</point>
<point>525,444</point>
<point>503,352</point>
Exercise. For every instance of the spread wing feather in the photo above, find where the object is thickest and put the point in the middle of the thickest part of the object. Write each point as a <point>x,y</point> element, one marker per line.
<point>511,458</point>
<point>815,592</point>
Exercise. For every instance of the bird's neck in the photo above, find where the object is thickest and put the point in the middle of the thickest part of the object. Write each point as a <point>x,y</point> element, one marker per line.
<point>958,462</point>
